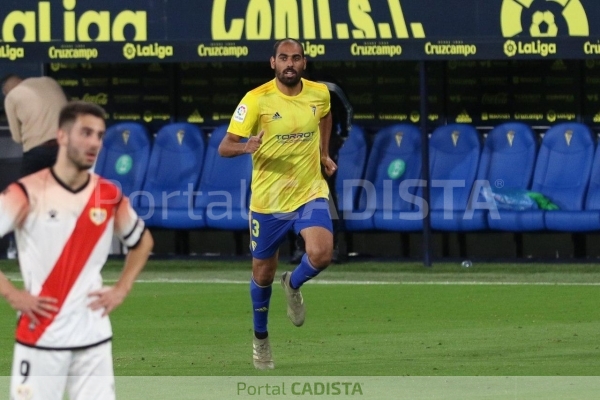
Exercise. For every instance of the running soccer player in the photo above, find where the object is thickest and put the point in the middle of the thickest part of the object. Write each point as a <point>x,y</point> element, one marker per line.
<point>287,122</point>
<point>64,218</point>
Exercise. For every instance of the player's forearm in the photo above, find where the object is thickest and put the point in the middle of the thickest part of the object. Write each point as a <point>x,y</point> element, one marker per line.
<point>135,262</point>
<point>6,287</point>
<point>229,148</point>
<point>325,129</point>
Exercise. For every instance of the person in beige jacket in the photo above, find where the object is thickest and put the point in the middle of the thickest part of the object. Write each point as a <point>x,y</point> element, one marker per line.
<point>32,108</point>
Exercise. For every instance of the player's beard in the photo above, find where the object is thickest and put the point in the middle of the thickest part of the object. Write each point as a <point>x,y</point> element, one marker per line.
<point>289,81</point>
<point>78,158</point>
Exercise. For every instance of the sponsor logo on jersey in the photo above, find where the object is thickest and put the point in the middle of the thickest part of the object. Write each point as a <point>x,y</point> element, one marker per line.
<point>294,137</point>
<point>240,113</point>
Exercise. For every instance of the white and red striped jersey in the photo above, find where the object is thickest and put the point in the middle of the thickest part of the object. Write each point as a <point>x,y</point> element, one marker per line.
<point>63,239</point>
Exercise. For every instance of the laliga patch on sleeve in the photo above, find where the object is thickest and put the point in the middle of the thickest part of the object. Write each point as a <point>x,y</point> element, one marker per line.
<point>240,113</point>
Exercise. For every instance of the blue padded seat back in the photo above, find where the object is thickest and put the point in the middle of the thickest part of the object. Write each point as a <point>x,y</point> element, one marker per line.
<point>592,201</point>
<point>454,152</point>
<point>352,161</point>
<point>564,164</point>
<point>391,144</point>
<point>124,156</point>
<point>230,175</point>
<point>508,156</point>
<point>175,165</point>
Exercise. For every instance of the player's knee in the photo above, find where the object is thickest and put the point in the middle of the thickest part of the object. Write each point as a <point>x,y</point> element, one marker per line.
<point>320,257</point>
<point>263,272</point>
<point>262,280</point>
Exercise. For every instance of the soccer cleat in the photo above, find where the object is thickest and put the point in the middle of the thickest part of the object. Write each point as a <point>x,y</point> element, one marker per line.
<point>295,309</point>
<point>261,354</point>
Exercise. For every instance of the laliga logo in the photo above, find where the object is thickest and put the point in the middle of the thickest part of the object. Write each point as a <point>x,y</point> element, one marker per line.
<point>131,51</point>
<point>510,48</point>
<point>540,20</point>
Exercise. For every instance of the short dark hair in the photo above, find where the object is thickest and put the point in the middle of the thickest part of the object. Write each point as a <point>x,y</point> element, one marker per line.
<point>287,40</point>
<point>7,77</point>
<point>73,109</point>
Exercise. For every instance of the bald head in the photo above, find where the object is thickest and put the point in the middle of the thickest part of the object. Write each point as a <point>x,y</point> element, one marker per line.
<point>287,41</point>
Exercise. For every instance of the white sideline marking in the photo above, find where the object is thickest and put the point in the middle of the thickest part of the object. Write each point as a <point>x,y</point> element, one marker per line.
<point>342,282</point>
<point>358,283</point>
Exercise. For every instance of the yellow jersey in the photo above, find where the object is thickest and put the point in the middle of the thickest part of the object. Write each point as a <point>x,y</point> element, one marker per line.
<point>287,167</point>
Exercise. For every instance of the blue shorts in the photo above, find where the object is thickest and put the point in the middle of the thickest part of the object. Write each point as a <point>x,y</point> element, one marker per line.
<point>268,231</point>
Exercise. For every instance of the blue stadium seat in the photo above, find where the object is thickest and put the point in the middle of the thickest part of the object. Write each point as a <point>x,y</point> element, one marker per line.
<point>352,160</point>
<point>454,152</point>
<point>395,196</point>
<point>509,156</point>
<point>508,159</point>
<point>224,190</point>
<point>172,179</point>
<point>563,168</point>
<point>124,156</point>
<point>562,172</point>
<point>586,220</point>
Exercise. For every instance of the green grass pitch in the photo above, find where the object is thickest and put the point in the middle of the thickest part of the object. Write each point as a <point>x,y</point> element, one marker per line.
<point>193,318</point>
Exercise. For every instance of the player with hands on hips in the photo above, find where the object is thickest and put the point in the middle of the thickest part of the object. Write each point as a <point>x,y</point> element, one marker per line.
<point>64,218</point>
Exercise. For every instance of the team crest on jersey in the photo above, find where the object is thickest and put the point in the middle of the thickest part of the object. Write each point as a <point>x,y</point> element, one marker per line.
<point>314,110</point>
<point>240,113</point>
<point>98,215</point>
